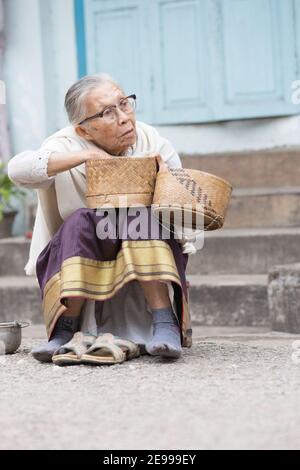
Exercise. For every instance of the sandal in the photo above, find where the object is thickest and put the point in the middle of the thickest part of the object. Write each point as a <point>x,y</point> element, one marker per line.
<point>110,349</point>
<point>71,352</point>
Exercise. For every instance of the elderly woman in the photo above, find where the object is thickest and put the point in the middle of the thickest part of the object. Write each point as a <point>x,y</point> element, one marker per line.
<point>133,289</point>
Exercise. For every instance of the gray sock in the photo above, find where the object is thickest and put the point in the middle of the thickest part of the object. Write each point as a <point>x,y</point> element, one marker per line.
<point>166,340</point>
<point>64,330</point>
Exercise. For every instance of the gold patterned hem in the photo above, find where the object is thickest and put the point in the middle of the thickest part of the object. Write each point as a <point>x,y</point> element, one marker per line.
<point>142,260</point>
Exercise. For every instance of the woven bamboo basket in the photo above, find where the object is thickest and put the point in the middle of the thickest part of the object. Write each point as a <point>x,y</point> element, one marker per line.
<point>197,198</point>
<point>121,181</point>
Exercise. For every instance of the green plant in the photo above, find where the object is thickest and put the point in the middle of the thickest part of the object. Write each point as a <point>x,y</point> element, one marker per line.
<point>8,191</point>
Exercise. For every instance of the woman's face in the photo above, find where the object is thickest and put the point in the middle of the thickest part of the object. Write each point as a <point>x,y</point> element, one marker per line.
<point>107,136</point>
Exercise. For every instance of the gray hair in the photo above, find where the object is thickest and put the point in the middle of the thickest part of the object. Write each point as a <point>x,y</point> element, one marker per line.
<point>77,93</point>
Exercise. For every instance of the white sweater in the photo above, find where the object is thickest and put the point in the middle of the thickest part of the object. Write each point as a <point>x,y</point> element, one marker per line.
<point>60,195</point>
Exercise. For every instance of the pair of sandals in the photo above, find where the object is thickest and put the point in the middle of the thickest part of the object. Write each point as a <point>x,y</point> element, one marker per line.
<point>103,349</point>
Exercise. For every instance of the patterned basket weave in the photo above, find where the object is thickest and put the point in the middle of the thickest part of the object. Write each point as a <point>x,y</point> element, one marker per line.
<point>120,181</point>
<point>200,196</point>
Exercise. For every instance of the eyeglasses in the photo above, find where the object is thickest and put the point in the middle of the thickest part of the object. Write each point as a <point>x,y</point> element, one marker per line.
<point>109,114</point>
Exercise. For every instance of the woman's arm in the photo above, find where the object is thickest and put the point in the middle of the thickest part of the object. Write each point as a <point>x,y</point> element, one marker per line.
<point>29,169</point>
<point>37,169</point>
<point>59,162</point>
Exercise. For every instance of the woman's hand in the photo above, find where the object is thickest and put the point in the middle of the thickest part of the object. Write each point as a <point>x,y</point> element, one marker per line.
<point>93,154</point>
<point>59,162</point>
<point>161,163</point>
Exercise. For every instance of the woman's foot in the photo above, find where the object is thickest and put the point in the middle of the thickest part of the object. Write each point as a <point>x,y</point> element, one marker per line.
<point>64,330</point>
<point>166,341</point>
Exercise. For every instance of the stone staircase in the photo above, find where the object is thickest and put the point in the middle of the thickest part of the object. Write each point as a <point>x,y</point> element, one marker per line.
<point>19,294</point>
<point>229,276</point>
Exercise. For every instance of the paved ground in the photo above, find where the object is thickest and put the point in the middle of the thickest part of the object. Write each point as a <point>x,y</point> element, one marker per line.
<point>235,389</point>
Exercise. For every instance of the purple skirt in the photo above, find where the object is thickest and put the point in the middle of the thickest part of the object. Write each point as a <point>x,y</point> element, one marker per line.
<point>94,254</point>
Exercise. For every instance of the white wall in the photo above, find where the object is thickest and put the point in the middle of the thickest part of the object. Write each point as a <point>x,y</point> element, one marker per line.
<point>4,138</point>
<point>230,136</point>
<point>60,58</point>
<point>39,65</point>
<point>23,74</point>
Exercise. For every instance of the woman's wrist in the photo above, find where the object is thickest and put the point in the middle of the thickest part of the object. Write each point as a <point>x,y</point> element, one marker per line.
<point>59,162</point>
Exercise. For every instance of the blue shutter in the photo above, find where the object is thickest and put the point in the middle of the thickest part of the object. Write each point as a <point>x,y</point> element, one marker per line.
<point>116,44</point>
<point>181,62</point>
<point>257,52</point>
<point>197,60</point>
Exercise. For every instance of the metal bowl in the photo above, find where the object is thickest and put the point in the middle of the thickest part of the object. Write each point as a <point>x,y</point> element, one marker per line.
<point>11,336</point>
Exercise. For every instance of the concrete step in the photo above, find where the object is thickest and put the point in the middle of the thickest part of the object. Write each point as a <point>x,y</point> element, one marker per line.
<point>20,299</point>
<point>239,300</point>
<point>245,251</point>
<point>229,300</point>
<point>264,168</point>
<point>225,251</point>
<point>264,207</point>
<point>13,256</point>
